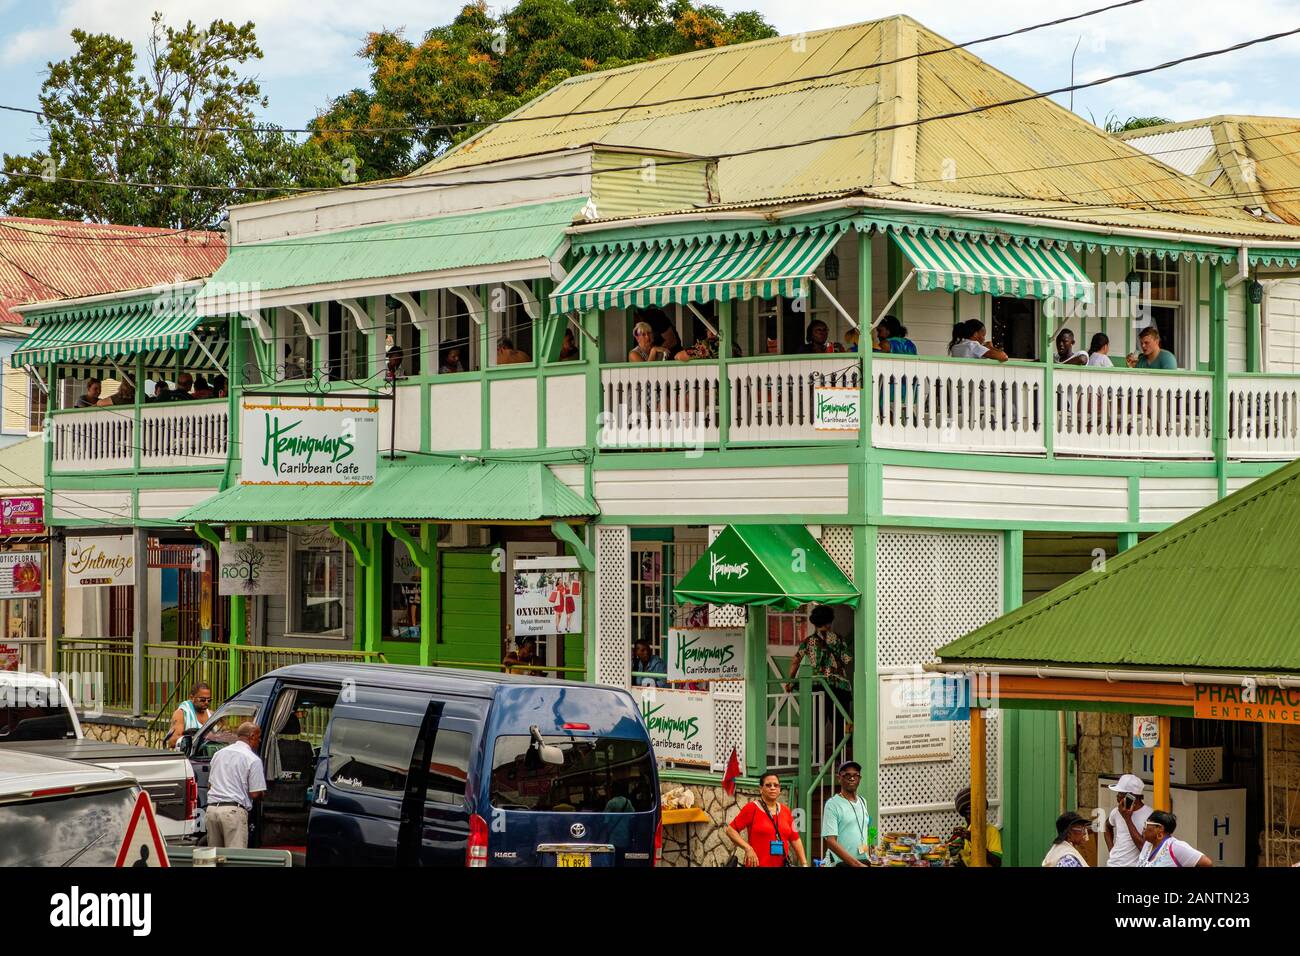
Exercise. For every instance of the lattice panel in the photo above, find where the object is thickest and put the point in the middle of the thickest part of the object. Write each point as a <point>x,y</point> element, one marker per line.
<point>932,588</point>
<point>724,615</point>
<point>838,542</point>
<point>728,727</point>
<point>613,652</point>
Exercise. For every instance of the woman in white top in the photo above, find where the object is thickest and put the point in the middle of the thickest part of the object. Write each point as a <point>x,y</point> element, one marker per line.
<point>1071,835</point>
<point>1161,849</point>
<point>1099,351</point>
<point>968,342</point>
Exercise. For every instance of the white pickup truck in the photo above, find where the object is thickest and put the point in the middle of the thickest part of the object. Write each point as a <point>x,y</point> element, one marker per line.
<point>36,716</point>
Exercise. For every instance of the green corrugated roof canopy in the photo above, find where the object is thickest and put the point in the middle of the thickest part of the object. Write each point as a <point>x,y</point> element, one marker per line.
<point>975,266</point>
<point>531,234</point>
<point>1216,592</point>
<point>716,270</point>
<point>438,491</point>
<point>779,566</point>
<point>118,329</point>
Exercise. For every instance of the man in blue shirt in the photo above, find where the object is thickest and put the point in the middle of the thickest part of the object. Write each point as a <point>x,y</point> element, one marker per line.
<point>846,822</point>
<point>646,661</point>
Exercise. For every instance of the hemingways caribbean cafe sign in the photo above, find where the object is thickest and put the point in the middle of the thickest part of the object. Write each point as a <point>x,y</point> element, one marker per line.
<point>707,653</point>
<point>307,445</point>
<point>680,723</point>
<point>96,562</point>
<point>837,409</point>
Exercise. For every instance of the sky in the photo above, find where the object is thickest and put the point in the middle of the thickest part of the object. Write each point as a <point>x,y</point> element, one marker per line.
<point>310,49</point>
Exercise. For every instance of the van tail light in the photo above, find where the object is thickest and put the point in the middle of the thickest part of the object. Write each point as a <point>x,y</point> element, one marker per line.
<point>658,857</point>
<point>191,798</point>
<point>476,849</point>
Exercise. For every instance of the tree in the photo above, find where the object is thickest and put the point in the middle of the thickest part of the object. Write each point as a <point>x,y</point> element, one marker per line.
<point>168,123</point>
<point>1114,125</point>
<point>478,68</point>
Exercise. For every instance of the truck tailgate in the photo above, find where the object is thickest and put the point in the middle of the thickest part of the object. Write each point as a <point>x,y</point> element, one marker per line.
<point>163,773</point>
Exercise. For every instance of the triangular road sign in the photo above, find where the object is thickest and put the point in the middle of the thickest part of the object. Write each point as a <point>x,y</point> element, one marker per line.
<point>143,844</point>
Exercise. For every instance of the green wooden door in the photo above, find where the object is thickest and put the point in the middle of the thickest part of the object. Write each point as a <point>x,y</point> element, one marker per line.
<point>470,609</point>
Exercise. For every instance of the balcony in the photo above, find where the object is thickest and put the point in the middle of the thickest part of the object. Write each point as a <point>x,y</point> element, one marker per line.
<point>192,435</point>
<point>981,407</point>
<point>767,401</point>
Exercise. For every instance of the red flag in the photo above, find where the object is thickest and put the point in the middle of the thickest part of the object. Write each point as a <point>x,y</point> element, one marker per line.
<point>733,771</point>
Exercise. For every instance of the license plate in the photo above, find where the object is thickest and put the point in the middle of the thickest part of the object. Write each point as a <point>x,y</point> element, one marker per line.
<point>573,859</point>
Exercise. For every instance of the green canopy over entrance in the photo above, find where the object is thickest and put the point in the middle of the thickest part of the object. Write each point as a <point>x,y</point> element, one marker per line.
<point>778,566</point>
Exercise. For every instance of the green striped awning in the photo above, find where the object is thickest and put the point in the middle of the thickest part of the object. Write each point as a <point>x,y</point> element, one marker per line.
<point>88,334</point>
<point>977,266</point>
<point>713,271</point>
<point>193,359</point>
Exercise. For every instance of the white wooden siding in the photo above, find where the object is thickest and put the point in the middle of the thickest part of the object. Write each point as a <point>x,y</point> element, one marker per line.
<point>994,495</point>
<point>514,413</point>
<point>168,503</point>
<point>455,412</point>
<point>797,489</point>
<point>566,411</point>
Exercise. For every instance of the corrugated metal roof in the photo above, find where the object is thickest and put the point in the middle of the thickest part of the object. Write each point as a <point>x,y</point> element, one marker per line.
<point>1035,152</point>
<point>43,259</point>
<point>1258,155</point>
<point>1217,591</point>
<point>1185,149</point>
<point>437,491</point>
<point>392,249</point>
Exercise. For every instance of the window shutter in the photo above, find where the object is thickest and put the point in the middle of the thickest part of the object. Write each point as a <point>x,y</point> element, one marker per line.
<point>15,386</point>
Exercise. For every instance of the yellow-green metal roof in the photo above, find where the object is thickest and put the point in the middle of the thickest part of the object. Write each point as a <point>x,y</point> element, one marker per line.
<point>433,491</point>
<point>1255,159</point>
<point>1035,157</point>
<point>1217,591</point>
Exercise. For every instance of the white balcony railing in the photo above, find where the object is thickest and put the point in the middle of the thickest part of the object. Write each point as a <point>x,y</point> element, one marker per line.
<point>173,435</point>
<point>659,405</point>
<point>957,406</point>
<point>1132,414</point>
<point>773,400</point>
<point>1264,417</point>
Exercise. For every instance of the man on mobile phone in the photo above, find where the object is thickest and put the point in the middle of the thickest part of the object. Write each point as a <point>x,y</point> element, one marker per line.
<point>1124,837</point>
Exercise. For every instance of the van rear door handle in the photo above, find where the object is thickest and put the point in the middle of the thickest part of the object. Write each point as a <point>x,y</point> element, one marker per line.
<point>322,796</point>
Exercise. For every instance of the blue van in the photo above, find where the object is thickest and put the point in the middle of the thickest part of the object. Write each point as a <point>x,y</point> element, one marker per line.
<point>384,765</point>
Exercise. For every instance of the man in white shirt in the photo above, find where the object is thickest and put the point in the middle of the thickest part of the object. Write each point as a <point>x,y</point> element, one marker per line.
<point>1124,837</point>
<point>1066,353</point>
<point>1163,850</point>
<point>235,780</point>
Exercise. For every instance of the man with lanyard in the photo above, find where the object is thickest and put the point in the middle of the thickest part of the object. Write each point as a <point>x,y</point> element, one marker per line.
<point>846,823</point>
<point>190,715</point>
<point>1161,849</point>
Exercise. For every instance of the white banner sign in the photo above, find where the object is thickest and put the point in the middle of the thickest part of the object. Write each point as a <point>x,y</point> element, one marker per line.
<point>20,575</point>
<point>715,653</point>
<point>252,568</point>
<point>907,732</point>
<point>547,602</point>
<point>306,445</point>
<point>680,724</point>
<point>99,562</point>
<point>837,409</point>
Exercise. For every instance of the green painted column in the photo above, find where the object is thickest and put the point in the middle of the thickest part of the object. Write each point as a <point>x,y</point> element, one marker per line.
<point>1125,540</point>
<point>1253,315</point>
<point>429,597</point>
<point>238,623</point>
<point>865,316</point>
<point>756,691</point>
<point>865,681</point>
<point>374,619</point>
<point>1219,356</point>
<point>358,604</point>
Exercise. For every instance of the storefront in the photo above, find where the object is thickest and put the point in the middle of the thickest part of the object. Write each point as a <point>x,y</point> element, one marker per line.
<point>1184,645</point>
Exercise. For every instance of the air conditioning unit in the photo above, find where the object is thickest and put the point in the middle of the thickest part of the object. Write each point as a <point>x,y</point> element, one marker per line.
<point>463,536</point>
<point>1187,765</point>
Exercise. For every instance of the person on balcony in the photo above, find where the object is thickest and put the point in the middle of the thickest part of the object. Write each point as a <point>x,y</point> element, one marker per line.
<point>891,336</point>
<point>1066,353</point>
<point>670,343</point>
<point>451,362</point>
<point>832,659</point>
<point>968,341</point>
<point>393,364</point>
<point>220,387</point>
<point>182,391</point>
<point>125,395</point>
<point>1153,356</point>
<point>569,348</point>
<point>507,354</point>
<point>202,389</point>
<point>91,396</point>
<point>1099,351</point>
<point>817,339</point>
<point>645,349</point>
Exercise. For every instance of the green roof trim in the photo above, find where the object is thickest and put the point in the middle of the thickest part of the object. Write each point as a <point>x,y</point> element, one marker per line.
<point>1216,592</point>
<point>522,233</point>
<point>437,491</point>
<point>159,322</point>
<point>667,234</point>
<point>779,566</point>
<point>1275,257</point>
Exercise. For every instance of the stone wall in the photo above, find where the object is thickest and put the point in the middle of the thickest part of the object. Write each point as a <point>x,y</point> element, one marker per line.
<point>124,730</point>
<point>1096,752</point>
<point>1282,797</point>
<point>709,846</point>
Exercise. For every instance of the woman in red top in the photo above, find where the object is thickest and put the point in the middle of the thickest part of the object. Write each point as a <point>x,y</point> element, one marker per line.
<point>770,826</point>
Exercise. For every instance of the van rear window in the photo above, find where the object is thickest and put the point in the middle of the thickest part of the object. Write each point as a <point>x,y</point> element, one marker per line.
<point>599,775</point>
